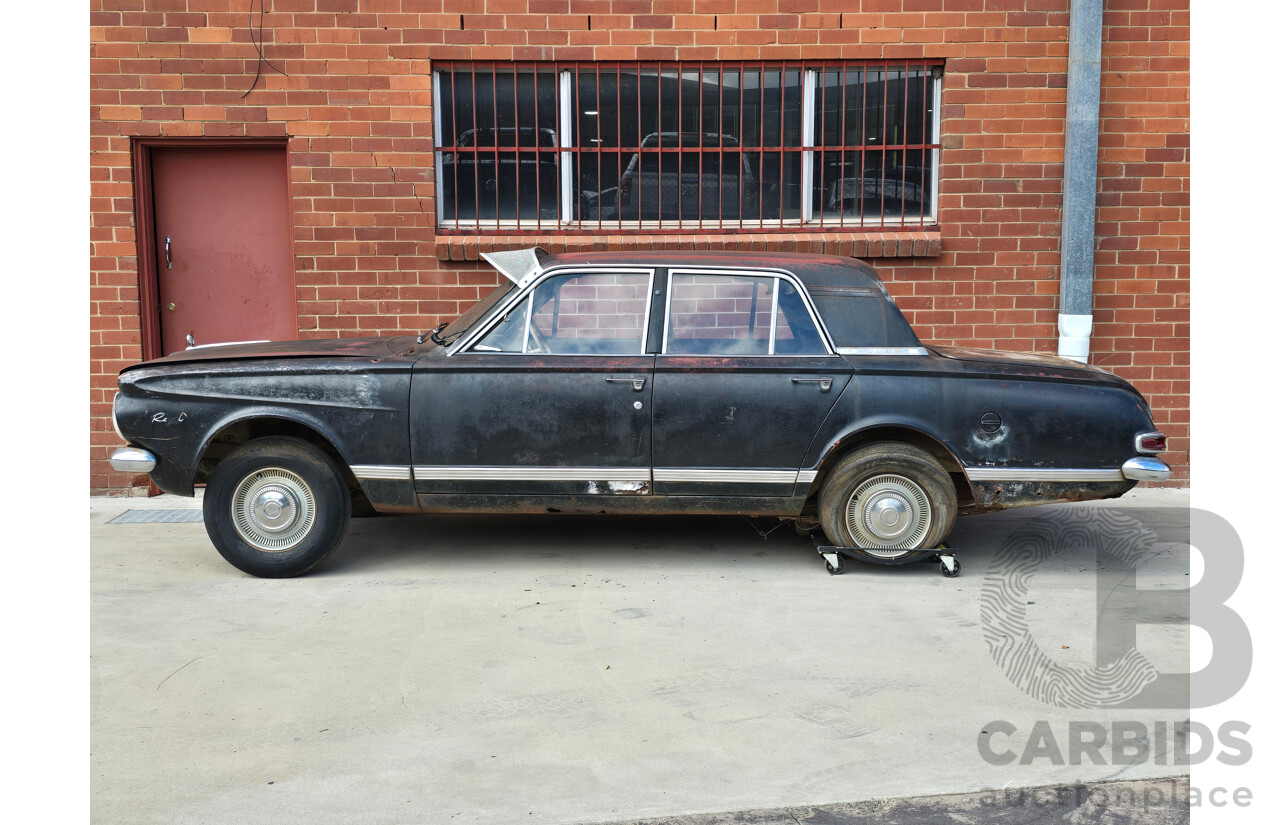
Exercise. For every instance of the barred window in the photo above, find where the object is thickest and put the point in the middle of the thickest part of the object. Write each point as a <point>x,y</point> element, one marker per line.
<point>685,147</point>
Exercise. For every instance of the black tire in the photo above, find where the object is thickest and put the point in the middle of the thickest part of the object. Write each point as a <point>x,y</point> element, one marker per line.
<point>907,484</point>
<point>276,507</point>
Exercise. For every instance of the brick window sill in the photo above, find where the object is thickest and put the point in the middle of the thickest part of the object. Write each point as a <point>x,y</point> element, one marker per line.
<point>925,243</point>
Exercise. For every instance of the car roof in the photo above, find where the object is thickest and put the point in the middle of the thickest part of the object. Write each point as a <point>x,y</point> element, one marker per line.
<point>704,138</point>
<point>813,270</point>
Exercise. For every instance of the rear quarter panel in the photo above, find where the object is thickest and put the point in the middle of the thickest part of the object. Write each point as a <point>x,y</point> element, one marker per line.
<point>1048,420</point>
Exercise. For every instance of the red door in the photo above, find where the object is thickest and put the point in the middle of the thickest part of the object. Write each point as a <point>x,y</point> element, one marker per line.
<point>223,250</point>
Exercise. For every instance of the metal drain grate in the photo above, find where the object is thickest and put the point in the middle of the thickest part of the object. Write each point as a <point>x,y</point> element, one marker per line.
<point>158,517</point>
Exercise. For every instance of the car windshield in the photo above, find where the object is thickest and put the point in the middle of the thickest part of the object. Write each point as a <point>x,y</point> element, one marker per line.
<point>477,311</point>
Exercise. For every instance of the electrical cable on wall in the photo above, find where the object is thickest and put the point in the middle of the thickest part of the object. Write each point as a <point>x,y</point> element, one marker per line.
<point>257,45</point>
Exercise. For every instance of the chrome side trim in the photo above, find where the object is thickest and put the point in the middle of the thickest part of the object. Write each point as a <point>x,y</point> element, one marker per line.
<point>1144,468</point>
<point>133,460</point>
<point>881,351</point>
<point>1137,443</point>
<point>382,472</point>
<point>439,473</point>
<point>725,476</point>
<point>1040,474</point>
<point>806,476</point>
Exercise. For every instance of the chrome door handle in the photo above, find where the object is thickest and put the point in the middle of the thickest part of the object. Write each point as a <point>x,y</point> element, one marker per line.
<point>637,384</point>
<point>824,384</point>
<point>168,260</point>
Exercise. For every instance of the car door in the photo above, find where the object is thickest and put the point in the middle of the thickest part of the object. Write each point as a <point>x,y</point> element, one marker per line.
<point>552,398</point>
<point>744,379</point>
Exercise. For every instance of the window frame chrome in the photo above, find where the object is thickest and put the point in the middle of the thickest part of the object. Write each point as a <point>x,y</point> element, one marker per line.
<point>895,351</point>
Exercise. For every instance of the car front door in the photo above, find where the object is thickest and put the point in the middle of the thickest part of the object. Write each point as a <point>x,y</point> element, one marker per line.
<point>552,398</point>
<point>743,381</point>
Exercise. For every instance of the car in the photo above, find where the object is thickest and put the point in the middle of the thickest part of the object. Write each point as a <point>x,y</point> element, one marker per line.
<point>891,191</point>
<point>786,385</point>
<point>707,185</point>
<point>501,172</point>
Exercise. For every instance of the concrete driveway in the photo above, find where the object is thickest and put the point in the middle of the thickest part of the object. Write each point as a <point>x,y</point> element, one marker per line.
<point>568,669</point>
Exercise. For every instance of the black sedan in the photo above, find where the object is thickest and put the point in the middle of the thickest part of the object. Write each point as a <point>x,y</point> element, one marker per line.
<point>650,382</point>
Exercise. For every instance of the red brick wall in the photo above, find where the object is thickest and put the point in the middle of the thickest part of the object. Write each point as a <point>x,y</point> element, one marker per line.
<point>356,106</point>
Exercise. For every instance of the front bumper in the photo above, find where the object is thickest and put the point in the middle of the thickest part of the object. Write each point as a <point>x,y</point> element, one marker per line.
<point>1145,468</point>
<point>133,460</point>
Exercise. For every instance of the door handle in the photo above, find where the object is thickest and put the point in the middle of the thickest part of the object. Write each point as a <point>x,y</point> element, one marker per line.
<point>637,384</point>
<point>168,259</point>
<point>824,384</point>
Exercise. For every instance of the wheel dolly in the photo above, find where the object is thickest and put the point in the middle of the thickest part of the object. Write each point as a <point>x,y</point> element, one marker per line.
<point>835,556</point>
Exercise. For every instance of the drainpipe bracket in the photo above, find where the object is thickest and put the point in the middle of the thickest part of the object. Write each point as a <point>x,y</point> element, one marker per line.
<point>1073,336</point>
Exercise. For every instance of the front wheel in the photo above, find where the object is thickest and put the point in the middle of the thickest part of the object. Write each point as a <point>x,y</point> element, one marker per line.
<point>276,507</point>
<point>892,502</point>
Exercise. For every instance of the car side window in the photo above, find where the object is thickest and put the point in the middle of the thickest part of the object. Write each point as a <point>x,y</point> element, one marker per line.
<point>589,314</point>
<point>796,333</point>
<point>585,314</point>
<point>720,314</point>
<point>711,314</point>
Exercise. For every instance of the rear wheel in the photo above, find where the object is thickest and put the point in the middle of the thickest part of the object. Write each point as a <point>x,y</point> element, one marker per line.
<point>276,507</point>
<point>891,501</point>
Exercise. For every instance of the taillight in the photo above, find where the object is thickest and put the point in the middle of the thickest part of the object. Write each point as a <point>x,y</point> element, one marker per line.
<point>1151,443</point>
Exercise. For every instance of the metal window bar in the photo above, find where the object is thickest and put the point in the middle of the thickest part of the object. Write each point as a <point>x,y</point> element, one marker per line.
<point>829,196</point>
<point>742,130</point>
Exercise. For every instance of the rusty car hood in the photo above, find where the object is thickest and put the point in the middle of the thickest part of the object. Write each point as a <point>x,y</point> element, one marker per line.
<point>316,348</point>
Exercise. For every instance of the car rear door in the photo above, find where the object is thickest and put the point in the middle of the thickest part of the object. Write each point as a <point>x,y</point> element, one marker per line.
<point>744,379</point>
<point>553,398</point>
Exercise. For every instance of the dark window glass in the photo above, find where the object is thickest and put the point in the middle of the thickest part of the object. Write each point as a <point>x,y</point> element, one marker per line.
<point>876,124</point>
<point>685,146</point>
<point>513,116</point>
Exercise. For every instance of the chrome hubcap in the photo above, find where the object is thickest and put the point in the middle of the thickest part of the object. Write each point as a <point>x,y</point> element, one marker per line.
<point>273,509</point>
<point>888,515</point>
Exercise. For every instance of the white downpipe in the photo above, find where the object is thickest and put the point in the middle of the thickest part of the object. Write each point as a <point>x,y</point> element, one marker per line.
<point>1073,337</point>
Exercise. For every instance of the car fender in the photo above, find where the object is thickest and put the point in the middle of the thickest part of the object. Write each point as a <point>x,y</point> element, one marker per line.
<point>300,416</point>
<point>884,427</point>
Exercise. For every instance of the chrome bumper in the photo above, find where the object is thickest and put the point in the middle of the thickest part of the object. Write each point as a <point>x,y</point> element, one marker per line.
<point>1145,468</point>
<point>133,460</point>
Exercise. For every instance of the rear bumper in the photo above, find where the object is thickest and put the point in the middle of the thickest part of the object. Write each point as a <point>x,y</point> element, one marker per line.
<point>133,460</point>
<point>1145,468</point>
